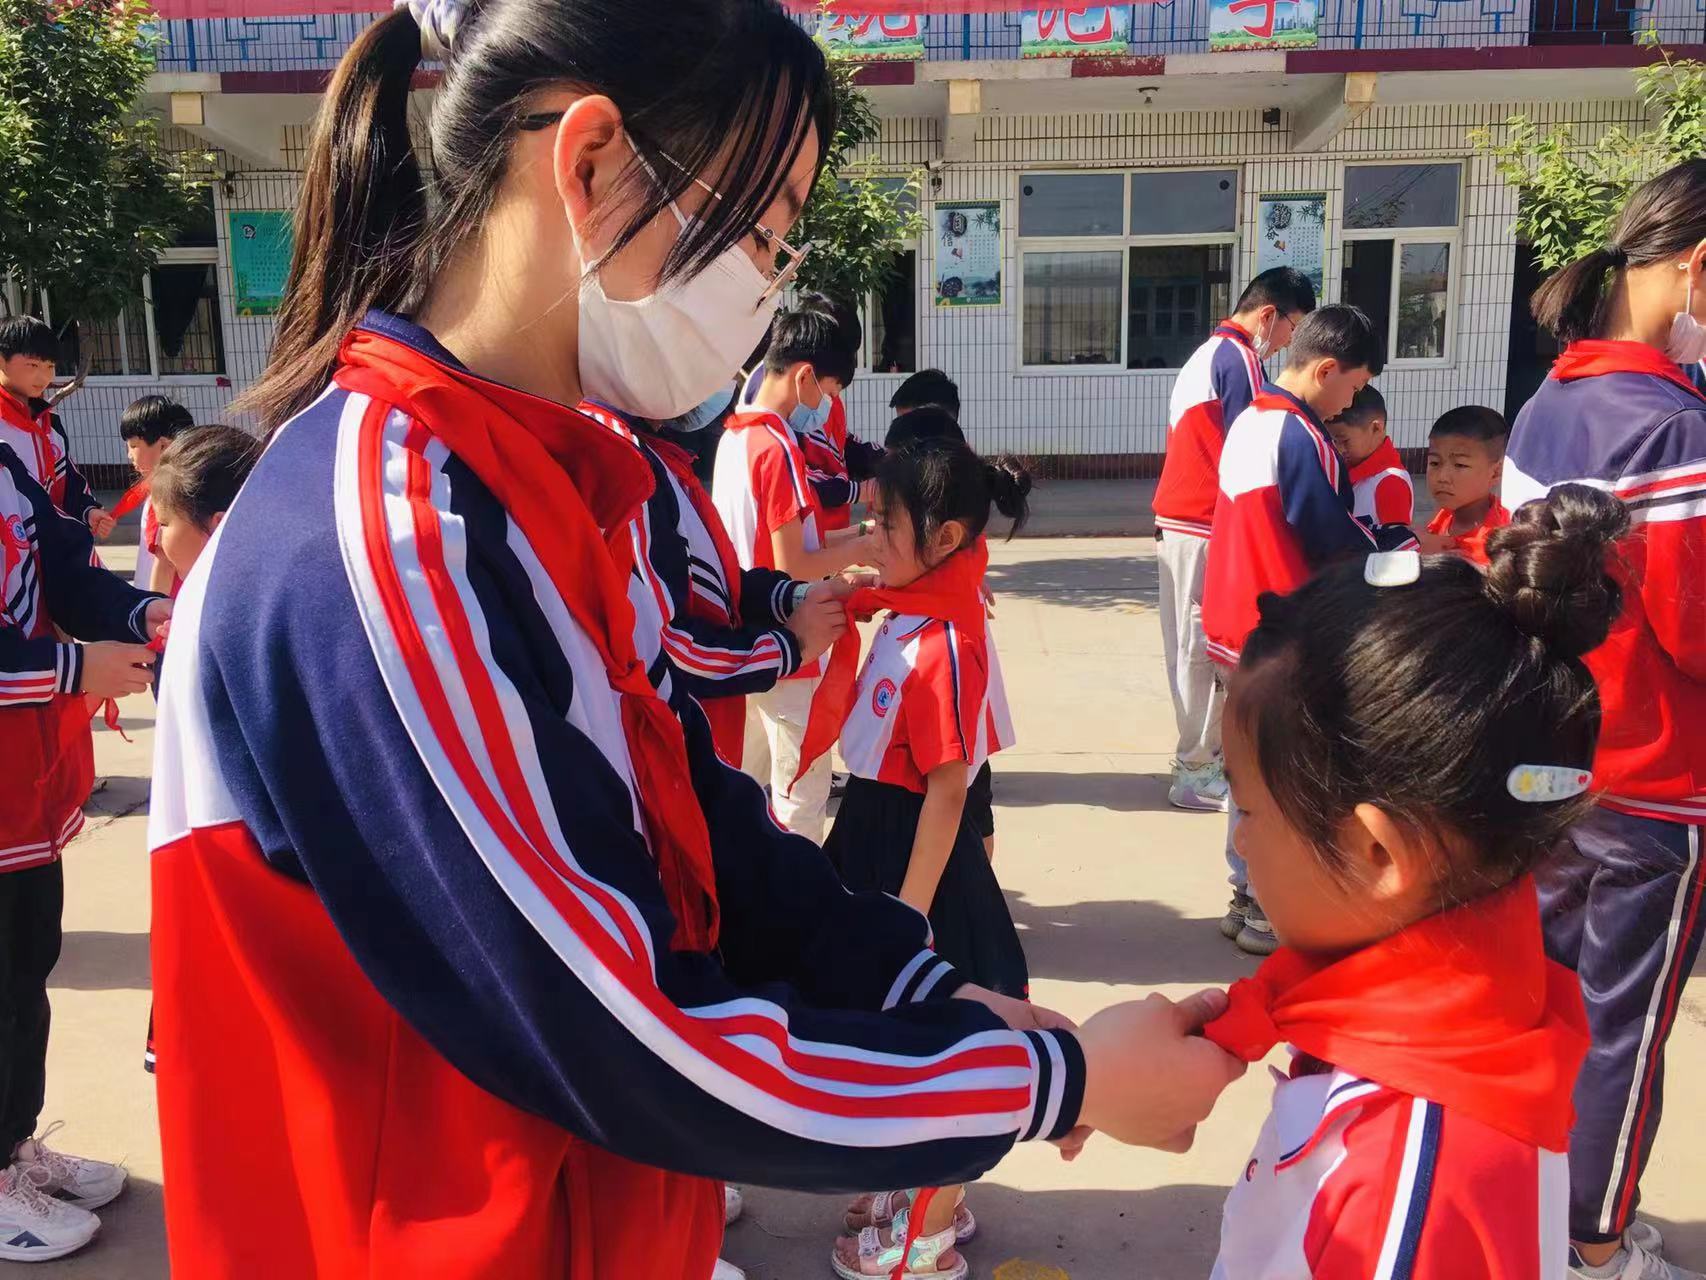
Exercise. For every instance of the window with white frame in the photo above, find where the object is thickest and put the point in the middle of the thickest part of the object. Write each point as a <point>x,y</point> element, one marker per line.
<point>891,313</point>
<point>175,330</point>
<point>1124,270</point>
<point>1401,233</point>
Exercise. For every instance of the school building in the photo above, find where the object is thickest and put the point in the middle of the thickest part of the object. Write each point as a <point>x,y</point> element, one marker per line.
<point>1088,214</point>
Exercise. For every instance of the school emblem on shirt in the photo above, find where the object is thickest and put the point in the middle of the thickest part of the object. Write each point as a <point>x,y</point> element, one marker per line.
<point>882,697</point>
<point>15,531</point>
<point>1250,1171</point>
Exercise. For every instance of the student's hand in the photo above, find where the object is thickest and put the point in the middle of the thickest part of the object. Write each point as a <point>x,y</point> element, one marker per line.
<point>158,614</point>
<point>1150,1079</point>
<point>112,669</point>
<point>817,624</point>
<point>867,491</point>
<point>1019,1015</point>
<point>1434,544</point>
<point>830,589</point>
<point>856,578</point>
<point>101,521</point>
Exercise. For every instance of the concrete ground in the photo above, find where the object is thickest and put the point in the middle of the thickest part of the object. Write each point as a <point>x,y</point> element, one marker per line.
<point>1114,893</point>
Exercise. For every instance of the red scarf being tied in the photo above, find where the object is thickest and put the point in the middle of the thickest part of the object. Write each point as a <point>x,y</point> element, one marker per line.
<point>1462,1008</point>
<point>951,592</point>
<point>551,469</point>
<point>1590,357</point>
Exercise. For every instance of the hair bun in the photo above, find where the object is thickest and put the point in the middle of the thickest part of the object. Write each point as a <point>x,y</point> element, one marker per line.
<point>1548,568</point>
<point>1009,486</point>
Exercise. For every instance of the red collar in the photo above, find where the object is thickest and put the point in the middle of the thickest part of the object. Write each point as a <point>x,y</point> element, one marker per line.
<point>1238,333</point>
<point>17,412</point>
<point>1385,458</point>
<point>1590,357</point>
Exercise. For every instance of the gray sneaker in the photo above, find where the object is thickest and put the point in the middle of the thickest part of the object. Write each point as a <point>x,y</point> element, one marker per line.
<point>1232,923</point>
<point>1631,1262</point>
<point>1257,936</point>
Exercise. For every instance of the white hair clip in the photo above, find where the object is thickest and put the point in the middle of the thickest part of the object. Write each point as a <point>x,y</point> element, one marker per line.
<point>1392,568</point>
<point>1544,783</point>
<point>438,21</point>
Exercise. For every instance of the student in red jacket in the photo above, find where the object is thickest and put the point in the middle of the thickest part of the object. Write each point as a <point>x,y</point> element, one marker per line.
<point>1216,385</point>
<point>28,351</point>
<point>1626,904</point>
<point>1381,490</point>
<point>1466,452</point>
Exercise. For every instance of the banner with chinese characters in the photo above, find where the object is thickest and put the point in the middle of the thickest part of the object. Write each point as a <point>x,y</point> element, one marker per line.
<point>260,260</point>
<point>867,37</point>
<point>1262,24</point>
<point>1291,231</point>
<point>1087,30</point>
<point>968,254</point>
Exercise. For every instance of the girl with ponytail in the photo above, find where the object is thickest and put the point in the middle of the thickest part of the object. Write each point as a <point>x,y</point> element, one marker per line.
<point>1625,905</point>
<point>468,944</point>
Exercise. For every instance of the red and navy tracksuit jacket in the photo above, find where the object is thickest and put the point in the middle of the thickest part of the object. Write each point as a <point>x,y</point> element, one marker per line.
<point>1284,514</point>
<point>429,1065</point>
<point>47,586</point>
<point>38,438</point>
<point>1215,386</point>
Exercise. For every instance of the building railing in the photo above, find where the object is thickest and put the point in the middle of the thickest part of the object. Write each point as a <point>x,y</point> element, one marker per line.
<point>1167,26</point>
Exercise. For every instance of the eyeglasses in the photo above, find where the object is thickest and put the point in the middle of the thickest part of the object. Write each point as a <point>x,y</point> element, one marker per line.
<point>786,257</point>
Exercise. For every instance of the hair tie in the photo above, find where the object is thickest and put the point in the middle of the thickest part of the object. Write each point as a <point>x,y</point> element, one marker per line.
<point>438,21</point>
<point>1617,254</point>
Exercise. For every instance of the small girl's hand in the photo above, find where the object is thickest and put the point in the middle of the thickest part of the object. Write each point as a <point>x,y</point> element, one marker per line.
<point>1019,1015</point>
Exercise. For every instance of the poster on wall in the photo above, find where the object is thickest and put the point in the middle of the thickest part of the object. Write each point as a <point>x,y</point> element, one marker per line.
<point>1261,24</point>
<point>1291,231</point>
<point>1099,30</point>
<point>260,260</point>
<point>869,37</point>
<point>968,254</point>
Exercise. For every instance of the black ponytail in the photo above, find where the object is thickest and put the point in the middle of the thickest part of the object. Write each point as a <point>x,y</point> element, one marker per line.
<point>1422,699</point>
<point>935,479</point>
<point>737,103</point>
<point>1665,217</point>
<point>1010,487</point>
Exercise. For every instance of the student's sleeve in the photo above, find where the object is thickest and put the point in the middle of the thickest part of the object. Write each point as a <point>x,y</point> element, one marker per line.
<point>1394,501</point>
<point>1237,377</point>
<point>863,458</point>
<point>721,661</point>
<point>1315,503</point>
<point>487,873</point>
<point>833,491</point>
<point>83,599</point>
<point>766,597</point>
<point>942,698</point>
<point>1664,487</point>
<point>780,488</point>
<point>79,500</point>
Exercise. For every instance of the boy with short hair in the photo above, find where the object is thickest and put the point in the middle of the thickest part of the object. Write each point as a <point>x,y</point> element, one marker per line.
<point>1381,491</point>
<point>1216,384</point>
<point>927,389</point>
<point>28,352</point>
<point>147,427</point>
<point>1284,513</point>
<point>838,463</point>
<point>1466,458</point>
<point>763,493</point>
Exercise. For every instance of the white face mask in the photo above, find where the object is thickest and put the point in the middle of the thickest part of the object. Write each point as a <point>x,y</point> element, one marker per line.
<point>1687,341</point>
<point>664,354</point>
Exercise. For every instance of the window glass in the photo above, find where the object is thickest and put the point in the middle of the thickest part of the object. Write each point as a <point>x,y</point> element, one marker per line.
<point>894,320</point>
<point>1072,204</point>
<point>1423,277</point>
<point>186,318</point>
<point>1072,308</point>
<point>1177,293</point>
<point>1367,282</point>
<point>1400,195</point>
<point>200,231</point>
<point>1178,203</point>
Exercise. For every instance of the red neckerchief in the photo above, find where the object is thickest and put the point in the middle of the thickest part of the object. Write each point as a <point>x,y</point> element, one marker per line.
<point>18,414</point>
<point>1237,332</point>
<point>1463,1008</point>
<point>1279,398</point>
<point>133,498</point>
<point>572,486</point>
<point>1590,357</point>
<point>1474,543</point>
<point>951,592</point>
<point>1384,458</point>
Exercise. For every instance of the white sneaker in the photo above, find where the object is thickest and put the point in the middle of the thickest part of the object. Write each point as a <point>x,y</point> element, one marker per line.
<point>1201,790</point>
<point>35,1227</point>
<point>1631,1262</point>
<point>733,1203</point>
<point>1646,1235</point>
<point>726,1270</point>
<point>88,1184</point>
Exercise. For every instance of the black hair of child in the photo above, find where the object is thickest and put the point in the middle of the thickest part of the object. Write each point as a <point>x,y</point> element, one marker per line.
<point>199,474</point>
<point>813,336</point>
<point>928,388</point>
<point>1339,332</point>
<point>1432,693</point>
<point>929,423</point>
<point>845,315</point>
<point>1472,422</point>
<point>27,336</point>
<point>1368,405</point>
<point>152,419</point>
<point>1286,289</point>
<point>938,480</point>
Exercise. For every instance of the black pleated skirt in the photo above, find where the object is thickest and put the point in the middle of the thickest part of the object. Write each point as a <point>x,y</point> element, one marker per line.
<point>871,844</point>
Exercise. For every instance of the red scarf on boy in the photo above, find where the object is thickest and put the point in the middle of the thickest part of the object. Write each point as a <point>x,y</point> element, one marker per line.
<point>551,468</point>
<point>1590,357</point>
<point>1462,1008</point>
<point>17,413</point>
<point>951,592</point>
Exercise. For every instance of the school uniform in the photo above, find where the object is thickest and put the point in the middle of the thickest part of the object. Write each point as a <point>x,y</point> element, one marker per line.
<point>761,484</point>
<point>48,587</point>
<point>836,463</point>
<point>1216,385</point>
<point>438,869</point>
<point>37,436</point>
<point>1473,542</point>
<point>1381,489</point>
<point>1625,905</point>
<point>724,634</point>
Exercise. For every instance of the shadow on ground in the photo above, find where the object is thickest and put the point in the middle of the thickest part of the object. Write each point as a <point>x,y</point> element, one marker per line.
<point>1083,582</point>
<point>1167,1233</point>
<point>93,960</point>
<point>115,796</point>
<point>132,1243</point>
<point>1118,792</point>
<point>1138,943</point>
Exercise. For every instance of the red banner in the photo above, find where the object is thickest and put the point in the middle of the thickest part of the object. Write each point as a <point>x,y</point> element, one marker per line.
<point>305,8</point>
